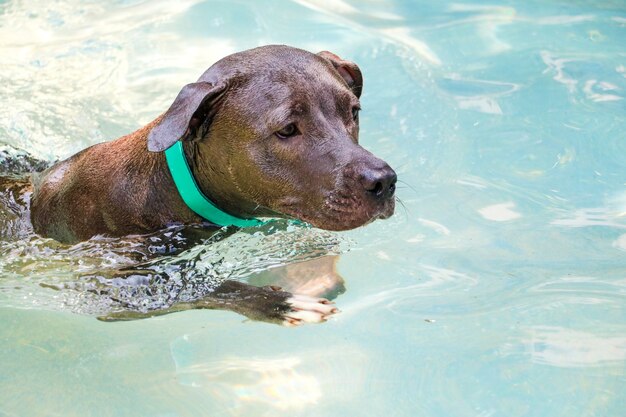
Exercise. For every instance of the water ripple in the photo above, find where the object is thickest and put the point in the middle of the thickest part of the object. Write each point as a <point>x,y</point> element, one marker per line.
<point>89,276</point>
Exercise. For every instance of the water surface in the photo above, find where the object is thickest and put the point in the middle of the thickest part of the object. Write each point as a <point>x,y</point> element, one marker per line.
<point>498,290</point>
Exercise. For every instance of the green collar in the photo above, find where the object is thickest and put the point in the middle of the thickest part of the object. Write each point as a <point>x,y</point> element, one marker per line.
<point>193,197</point>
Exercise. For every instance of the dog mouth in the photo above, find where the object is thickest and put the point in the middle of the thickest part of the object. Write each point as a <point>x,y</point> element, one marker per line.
<point>339,211</point>
<point>354,195</point>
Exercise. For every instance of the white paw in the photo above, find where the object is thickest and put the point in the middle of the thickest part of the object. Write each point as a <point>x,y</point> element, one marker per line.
<point>305,309</point>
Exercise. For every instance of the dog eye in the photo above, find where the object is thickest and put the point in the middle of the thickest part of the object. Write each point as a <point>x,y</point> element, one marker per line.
<point>287,131</point>
<point>355,113</point>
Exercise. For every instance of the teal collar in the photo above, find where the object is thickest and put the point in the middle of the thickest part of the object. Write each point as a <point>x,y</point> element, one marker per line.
<point>193,197</point>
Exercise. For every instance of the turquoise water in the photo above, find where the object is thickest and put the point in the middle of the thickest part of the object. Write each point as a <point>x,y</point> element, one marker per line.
<point>498,290</point>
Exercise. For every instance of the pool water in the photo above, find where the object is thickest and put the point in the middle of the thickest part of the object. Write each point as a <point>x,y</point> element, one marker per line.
<point>497,289</point>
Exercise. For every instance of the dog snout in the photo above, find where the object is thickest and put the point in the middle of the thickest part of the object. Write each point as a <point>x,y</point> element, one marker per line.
<point>379,183</point>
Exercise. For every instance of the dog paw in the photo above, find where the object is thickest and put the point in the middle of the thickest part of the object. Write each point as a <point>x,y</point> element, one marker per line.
<point>305,309</point>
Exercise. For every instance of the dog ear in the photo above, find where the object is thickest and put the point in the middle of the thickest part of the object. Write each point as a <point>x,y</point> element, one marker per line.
<point>189,113</point>
<point>349,71</point>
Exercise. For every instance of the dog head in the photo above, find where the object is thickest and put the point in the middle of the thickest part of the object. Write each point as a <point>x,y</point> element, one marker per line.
<point>273,131</point>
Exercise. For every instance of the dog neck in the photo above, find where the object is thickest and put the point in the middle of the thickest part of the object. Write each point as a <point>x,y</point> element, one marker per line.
<point>218,186</point>
<point>192,195</point>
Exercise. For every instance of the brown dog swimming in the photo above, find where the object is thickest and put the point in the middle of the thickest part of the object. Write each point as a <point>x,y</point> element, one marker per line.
<point>268,132</point>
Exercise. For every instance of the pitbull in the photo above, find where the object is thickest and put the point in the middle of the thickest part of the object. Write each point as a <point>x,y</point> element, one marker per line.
<point>270,132</point>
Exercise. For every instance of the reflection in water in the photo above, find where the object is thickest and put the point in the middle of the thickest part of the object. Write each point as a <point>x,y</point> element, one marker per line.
<point>558,346</point>
<point>557,65</point>
<point>599,216</point>
<point>478,95</point>
<point>259,378</point>
<point>245,381</point>
<point>500,212</point>
<point>568,71</point>
<point>399,35</point>
<point>597,91</point>
<point>620,242</point>
<point>437,227</point>
<point>579,288</point>
<point>402,300</point>
<point>72,74</point>
<point>403,37</point>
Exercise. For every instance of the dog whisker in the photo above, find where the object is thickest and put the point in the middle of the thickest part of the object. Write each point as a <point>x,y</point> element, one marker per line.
<point>408,186</point>
<point>406,210</point>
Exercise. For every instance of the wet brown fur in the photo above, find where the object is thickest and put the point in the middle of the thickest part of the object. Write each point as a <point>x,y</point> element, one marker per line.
<point>114,188</point>
<point>227,121</point>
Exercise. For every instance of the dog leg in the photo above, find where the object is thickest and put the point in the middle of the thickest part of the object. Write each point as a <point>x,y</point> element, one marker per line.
<point>316,277</point>
<point>269,304</point>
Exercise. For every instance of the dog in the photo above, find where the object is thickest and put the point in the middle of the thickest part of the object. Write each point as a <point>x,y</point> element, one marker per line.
<point>267,133</point>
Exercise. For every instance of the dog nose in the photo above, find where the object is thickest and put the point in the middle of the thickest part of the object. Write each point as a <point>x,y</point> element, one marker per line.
<point>380,183</point>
